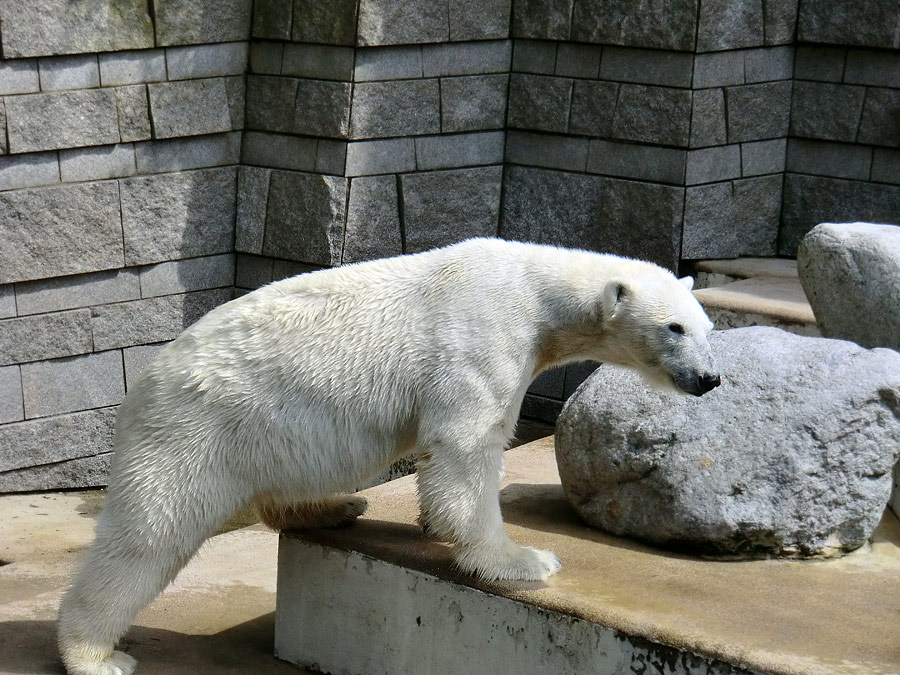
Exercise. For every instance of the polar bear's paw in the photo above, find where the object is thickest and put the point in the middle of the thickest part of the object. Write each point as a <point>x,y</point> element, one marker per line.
<point>509,562</point>
<point>117,663</point>
<point>335,511</point>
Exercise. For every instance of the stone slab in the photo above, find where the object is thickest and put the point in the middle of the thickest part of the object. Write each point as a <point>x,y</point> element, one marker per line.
<point>744,268</point>
<point>880,117</point>
<point>841,22</point>
<point>873,67</point>
<point>840,160</point>
<point>788,621</point>
<point>216,60</point>
<point>459,150</point>
<point>729,24</point>
<point>642,162</point>
<point>390,22</point>
<point>69,72</point>
<point>83,290</point>
<point>178,215</point>
<point>45,336</point>
<point>762,157</point>
<point>333,23</point>
<point>7,301</point>
<point>318,61</point>
<point>265,58</point>
<point>56,439</point>
<point>781,298</point>
<point>181,154</point>
<point>279,151</point>
<point>272,19</point>
<point>181,276</point>
<point>826,111</point>
<point>60,230</point>
<point>709,165</point>
<point>138,358</point>
<point>822,63</point>
<point>11,406</point>
<point>646,66</point>
<point>108,161</point>
<point>656,24</point>
<point>64,119</point>
<point>73,384</point>
<point>709,124</point>
<point>252,202</point>
<point>19,77</point>
<point>191,22</point>
<point>758,111</point>
<point>252,271</point>
<point>29,170</point>
<point>473,103</point>
<point>84,472</point>
<point>577,60</point>
<point>479,20</point>
<point>323,108</point>
<point>134,113</point>
<point>398,108</point>
<point>119,68</point>
<point>45,27</point>
<point>381,156</point>
<point>542,19</point>
<point>387,63</point>
<point>534,56</point>
<point>539,102</point>
<point>466,58</point>
<point>593,108</point>
<point>652,114</point>
<point>552,151</point>
<point>190,107</point>
<point>373,220</point>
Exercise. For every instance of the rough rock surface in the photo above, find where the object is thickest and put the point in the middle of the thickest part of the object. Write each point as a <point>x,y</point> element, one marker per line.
<point>851,275</point>
<point>791,456</point>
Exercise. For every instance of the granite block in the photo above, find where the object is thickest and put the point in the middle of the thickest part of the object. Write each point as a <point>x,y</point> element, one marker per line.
<point>762,157</point>
<point>824,158</point>
<point>73,384</point>
<point>108,161</point>
<point>713,164</point>
<point>534,56</point>
<point>547,150</point>
<point>542,19</point>
<point>399,22</point>
<point>826,111</point>
<point>140,322</point>
<point>119,68</point>
<point>875,68</point>
<point>178,215</point>
<point>190,108</point>
<point>658,24</point>
<point>7,301</point>
<point>758,111</point>
<point>138,358</point>
<point>47,27</point>
<point>780,21</point>
<point>45,336</point>
<point>180,154</point>
<point>4,140</point>
<point>479,19</point>
<point>719,69</point>
<point>373,220</point>
<point>814,62</point>
<point>653,115</point>
<point>385,156</point>
<point>132,107</point>
<point>730,24</point>
<point>885,166</point>
<point>272,19</point>
<point>576,373</point>
<point>181,276</point>
<point>251,272</point>
<point>65,119</point>
<point>265,58</point>
<point>69,72</point>
<point>270,103</point>
<point>323,108</point>
<point>577,60</point>
<point>553,207</point>
<point>466,58</point>
<point>767,64</point>
<point>19,77</point>
<point>550,383</point>
<point>197,22</point>
<point>252,202</point>
<point>331,157</point>
<point>11,406</point>
<point>593,107</point>
<point>880,122</point>
<point>646,66</point>
<point>708,121</point>
<point>387,63</point>
<point>323,62</point>
<point>539,102</point>
<point>279,152</point>
<point>305,218</point>
<point>332,23</point>
<point>642,162</point>
<point>282,269</point>
<point>458,150</point>
<point>845,22</point>
<point>442,207</point>
<point>810,200</point>
<point>85,472</point>
<point>396,108</point>
<point>29,170</point>
<point>41,442</point>
<point>473,103</point>
<point>216,60</point>
<point>73,292</point>
<point>55,231</point>
<point>732,219</point>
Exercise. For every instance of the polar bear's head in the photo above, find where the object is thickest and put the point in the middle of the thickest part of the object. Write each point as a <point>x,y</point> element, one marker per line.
<point>655,324</point>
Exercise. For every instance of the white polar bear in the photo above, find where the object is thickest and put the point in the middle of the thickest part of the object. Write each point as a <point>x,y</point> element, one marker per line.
<point>309,386</point>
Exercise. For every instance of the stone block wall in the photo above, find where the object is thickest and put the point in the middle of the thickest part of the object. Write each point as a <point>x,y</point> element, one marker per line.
<point>159,157</point>
<point>118,188</point>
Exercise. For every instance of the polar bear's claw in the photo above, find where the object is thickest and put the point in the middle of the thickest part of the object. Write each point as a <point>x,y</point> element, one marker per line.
<point>511,563</point>
<point>117,663</point>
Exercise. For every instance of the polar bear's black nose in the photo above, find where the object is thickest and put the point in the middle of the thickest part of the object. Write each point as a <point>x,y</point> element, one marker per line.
<point>708,382</point>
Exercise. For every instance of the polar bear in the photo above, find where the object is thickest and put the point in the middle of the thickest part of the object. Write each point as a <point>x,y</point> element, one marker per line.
<point>295,393</point>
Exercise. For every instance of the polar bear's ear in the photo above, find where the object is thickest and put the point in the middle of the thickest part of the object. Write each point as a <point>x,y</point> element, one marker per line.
<point>687,282</point>
<point>614,294</point>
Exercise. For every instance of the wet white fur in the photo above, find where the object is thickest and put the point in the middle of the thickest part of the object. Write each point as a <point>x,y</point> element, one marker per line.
<point>310,386</point>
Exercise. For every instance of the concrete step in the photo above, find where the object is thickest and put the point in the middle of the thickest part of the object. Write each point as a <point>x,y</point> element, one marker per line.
<point>379,597</point>
<point>754,292</point>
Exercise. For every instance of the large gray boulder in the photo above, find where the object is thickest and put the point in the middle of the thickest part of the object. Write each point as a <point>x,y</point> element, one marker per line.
<point>851,275</point>
<point>790,456</point>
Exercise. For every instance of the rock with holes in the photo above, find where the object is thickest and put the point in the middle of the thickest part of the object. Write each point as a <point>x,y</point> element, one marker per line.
<point>790,456</point>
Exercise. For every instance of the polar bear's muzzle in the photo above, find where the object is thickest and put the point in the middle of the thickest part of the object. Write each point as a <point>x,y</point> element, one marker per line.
<point>697,383</point>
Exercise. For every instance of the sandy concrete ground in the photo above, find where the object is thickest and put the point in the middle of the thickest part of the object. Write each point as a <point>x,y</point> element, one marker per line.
<point>217,617</point>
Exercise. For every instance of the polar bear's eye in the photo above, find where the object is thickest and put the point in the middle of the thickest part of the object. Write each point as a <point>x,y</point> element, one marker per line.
<point>676,328</point>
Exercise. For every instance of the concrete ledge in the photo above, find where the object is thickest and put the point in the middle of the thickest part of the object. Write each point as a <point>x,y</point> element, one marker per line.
<point>781,299</point>
<point>380,597</point>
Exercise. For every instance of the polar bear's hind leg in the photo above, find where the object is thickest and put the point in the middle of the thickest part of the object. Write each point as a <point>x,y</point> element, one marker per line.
<point>333,511</point>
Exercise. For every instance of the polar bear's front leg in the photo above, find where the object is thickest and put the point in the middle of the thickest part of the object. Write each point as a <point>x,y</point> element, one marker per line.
<point>460,502</point>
